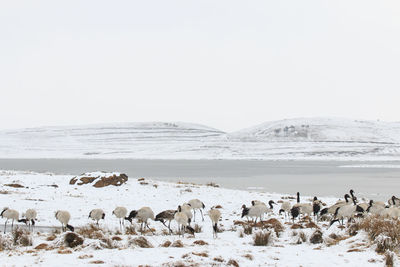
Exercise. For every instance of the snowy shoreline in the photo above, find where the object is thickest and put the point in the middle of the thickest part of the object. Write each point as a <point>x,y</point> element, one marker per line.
<point>48,193</point>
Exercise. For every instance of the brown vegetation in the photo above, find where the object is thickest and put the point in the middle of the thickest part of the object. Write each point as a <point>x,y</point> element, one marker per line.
<point>316,237</point>
<point>140,242</point>
<point>42,246</point>
<point>262,238</point>
<point>232,262</point>
<point>177,244</point>
<point>166,244</point>
<point>15,185</point>
<point>385,233</point>
<point>21,237</point>
<point>72,240</point>
<point>200,243</point>
<point>200,254</point>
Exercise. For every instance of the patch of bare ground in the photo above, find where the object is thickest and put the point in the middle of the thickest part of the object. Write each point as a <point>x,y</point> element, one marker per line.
<point>116,238</point>
<point>212,184</point>
<point>200,243</point>
<point>248,256</point>
<point>96,262</point>
<point>85,256</point>
<point>355,250</point>
<point>218,259</point>
<point>64,251</point>
<point>15,185</point>
<point>201,254</point>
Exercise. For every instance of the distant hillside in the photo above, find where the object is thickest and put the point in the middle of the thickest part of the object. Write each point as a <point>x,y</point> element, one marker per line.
<point>322,130</point>
<point>307,138</point>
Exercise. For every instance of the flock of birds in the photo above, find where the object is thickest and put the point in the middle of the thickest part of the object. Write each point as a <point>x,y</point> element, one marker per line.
<point>349,208</point>
<point>182,215</point>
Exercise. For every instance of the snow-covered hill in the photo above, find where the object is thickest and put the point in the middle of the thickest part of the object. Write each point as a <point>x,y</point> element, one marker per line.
<point>307,138</point>
<point>322,130</point>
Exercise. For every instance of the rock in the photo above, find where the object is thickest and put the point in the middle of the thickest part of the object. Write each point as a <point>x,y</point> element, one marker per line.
<point>316,237</point>
<point>100,179</point>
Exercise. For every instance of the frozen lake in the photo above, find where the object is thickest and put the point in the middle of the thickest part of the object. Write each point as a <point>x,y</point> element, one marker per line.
<point>377,180</point>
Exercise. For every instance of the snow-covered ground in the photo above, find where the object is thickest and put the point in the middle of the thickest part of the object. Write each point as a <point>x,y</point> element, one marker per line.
<point>48,193</point>
<point>310,138</point>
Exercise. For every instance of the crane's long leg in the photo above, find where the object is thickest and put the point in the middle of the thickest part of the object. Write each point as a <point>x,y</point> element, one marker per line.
<point>202,214</point>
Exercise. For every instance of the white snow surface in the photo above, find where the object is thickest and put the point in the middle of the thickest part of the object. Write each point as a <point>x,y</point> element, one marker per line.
<point>79,200</point>
<point>305,138</point>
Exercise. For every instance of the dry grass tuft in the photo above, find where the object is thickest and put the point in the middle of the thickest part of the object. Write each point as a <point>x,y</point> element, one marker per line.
<point>177,244</point>
<point>140,242</point>
<point>316,237</point>
<point>96,262</point>
<point>218,207</point>
<point>249,256</point>
<point>42,246</point>
<point>5,243</point>
<point>197,228</point>
<point>311,225</point>
<point>296,226</point>
<point>116,238</point>
<point>72,240</point>
<point>274,224</point>
<point>218,259</point>
<point>15,185</point>
<point>64,251</point>
<point>130,230</point>
<point>262,238</point>
<point>232,262</point>
<point>21,237</point>
<point>51,237</point>
<point>166,244</point>
<point>355,250</point>
<point>334,239</point>
<point>200,243</point>
<point>247,229</point>
<point>385,233</point>
<point>91,231</point>
<point>303,236</point>
<point>389,259</point>
<point>85,256</point>
<point>201,254</point>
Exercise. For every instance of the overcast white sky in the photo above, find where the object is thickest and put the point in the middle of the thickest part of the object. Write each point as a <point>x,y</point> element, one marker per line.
<point>226,64</point>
